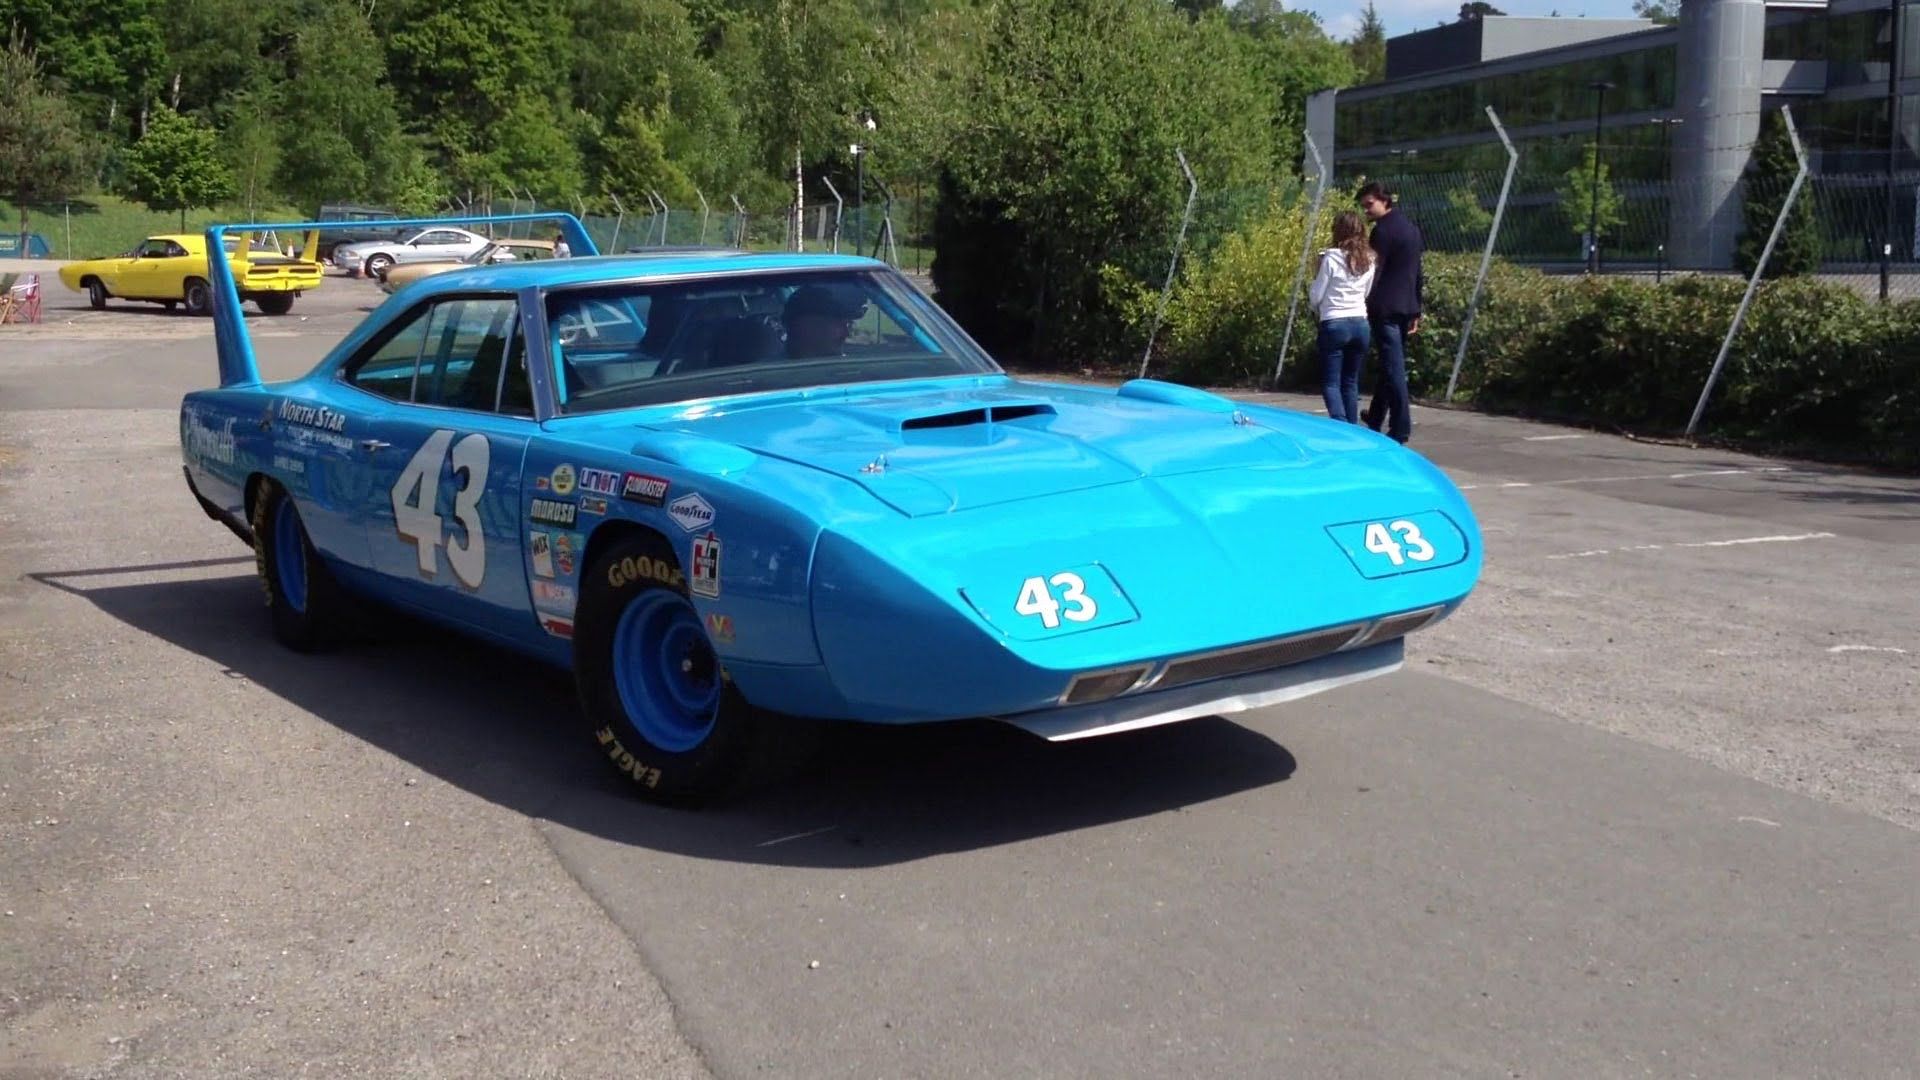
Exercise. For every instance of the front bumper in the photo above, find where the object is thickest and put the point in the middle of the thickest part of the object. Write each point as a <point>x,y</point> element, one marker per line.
<point>1219,697</point>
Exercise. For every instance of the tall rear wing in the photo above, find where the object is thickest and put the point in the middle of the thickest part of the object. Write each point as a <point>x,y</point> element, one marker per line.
<point>237,364</point>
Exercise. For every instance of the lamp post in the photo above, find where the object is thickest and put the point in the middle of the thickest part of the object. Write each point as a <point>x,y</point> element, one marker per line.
<point>1666,170</point>
<point>859,152</point>
<point>1895,31</point>
<point>1600,88</point>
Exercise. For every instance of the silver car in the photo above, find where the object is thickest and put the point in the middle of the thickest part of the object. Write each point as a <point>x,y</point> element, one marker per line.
<point>374,258</point>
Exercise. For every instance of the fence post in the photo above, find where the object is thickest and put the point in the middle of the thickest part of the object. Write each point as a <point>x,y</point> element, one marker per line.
<point>839,207</point>
<point>885,235</point>
<point>1173,264</point>
<point>1753,282</point>
<point>666,215</point>
<point>705,210</point>
<point>740,222</point>
<point>1320,171</point>
<point>1486,256</point>
<point>620,207</point>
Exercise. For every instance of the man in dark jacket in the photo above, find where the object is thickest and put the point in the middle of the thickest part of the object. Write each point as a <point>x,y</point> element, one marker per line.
<point>1393,307</point>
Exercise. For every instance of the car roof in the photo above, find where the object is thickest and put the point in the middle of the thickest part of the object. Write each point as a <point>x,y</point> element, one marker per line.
<point>594,269</point>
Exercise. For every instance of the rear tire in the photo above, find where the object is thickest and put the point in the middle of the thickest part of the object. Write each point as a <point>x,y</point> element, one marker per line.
<point>309,611</point>
<point>199,297</point>
<point>96,294</point>
<point>657,699</point>
<point>274,303</point>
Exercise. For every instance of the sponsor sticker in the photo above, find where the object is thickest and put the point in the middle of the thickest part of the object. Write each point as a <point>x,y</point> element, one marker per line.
<point>592,504</point>
<point>287,463</point>
<point>553,599</point>
<point>562,479</point>
<point>564,546</point>
<point>541,545</point>
<point>704,580</point>
<point>720,628</point>
<point>558,625</point>
<point>553,512</point>
<point>540,483</point>
<point>641,488</point>
<point>600,481</point>
<point>313,416</point>
<point>691,512</point>
<point>209,443</point>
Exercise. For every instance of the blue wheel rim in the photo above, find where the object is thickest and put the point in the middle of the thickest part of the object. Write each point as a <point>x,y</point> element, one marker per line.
<point>290,556</point>
<point>665,672</point>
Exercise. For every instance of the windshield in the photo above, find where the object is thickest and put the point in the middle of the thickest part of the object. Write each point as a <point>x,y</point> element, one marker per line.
<point>659,342</point>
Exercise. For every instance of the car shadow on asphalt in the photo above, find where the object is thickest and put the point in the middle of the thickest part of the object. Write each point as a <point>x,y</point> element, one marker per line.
<point>507,729</point>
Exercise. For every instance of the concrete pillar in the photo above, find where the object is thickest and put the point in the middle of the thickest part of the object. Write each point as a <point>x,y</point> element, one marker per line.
<point>1320,126</point>
<point>1718,100</point>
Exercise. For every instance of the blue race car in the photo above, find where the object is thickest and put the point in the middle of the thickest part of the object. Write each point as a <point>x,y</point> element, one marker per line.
<point>730,490</point>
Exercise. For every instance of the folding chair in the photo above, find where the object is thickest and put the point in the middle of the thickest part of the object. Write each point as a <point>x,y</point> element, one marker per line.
<point>21,302</point>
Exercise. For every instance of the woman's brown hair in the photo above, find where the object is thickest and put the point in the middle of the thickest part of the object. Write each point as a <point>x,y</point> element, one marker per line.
<point>1350,236</point>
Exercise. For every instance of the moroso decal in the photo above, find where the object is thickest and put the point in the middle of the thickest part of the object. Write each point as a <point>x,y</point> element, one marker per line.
<point>641,488</point>
<point>553,512</point>
<point>705,579</point>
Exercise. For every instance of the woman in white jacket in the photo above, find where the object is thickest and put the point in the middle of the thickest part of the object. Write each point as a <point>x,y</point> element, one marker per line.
<point>1341,283</point>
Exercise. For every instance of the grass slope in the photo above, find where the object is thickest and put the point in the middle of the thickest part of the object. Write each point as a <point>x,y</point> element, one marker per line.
<point>101,225</point>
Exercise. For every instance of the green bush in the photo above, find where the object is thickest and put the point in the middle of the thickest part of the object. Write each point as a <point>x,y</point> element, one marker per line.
<point>1814,366</point>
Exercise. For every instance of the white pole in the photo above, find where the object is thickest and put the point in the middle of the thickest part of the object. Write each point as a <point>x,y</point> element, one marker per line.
<point>1306,249</point>
<point>1179,241</point>
<point>1486,257</point>
<point>1753,282</point>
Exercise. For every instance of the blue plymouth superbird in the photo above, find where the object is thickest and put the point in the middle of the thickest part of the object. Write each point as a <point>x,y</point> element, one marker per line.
<point>729,490</point>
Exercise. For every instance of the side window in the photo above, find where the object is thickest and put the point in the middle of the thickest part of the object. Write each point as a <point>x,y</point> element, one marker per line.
<point>467,352</point>
<point>389,370</point>
<point>154,249</point>
<point>175,251</point>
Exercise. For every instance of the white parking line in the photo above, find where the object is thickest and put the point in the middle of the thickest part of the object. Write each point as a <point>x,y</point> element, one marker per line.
<point>1550,438</point>
<point>1794,538</point>
<point>1866,648</point>
<point>1623,479</point>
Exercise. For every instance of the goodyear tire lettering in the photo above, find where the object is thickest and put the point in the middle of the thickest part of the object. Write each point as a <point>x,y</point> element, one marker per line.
<point>625,761</point>
<point>643,568</point>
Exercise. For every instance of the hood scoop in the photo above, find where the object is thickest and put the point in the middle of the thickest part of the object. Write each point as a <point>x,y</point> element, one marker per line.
<point>977,417</point>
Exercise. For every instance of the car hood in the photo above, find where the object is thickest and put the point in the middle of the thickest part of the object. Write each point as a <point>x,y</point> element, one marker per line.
<point>938,451</point>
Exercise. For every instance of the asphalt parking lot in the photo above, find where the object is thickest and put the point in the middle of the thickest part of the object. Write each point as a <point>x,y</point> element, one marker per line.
<point>1649,805</point>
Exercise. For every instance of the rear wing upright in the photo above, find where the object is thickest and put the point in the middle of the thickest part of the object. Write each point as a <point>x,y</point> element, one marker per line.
<point>238,366</point>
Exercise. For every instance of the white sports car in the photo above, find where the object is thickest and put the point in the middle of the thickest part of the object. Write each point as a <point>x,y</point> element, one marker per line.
<point>438,244</point>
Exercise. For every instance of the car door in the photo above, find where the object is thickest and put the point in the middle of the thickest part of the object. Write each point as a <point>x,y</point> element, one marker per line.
<point>436,244</point>
<point>444,526</point>
<point>142,277</point>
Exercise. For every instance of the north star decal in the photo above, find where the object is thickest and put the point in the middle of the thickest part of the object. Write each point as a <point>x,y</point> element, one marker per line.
<point>553,512</point>
<point>313,416</point>
<point>641,488</point>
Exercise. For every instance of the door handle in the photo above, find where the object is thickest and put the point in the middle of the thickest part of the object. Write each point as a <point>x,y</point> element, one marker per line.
<point>370,445</point>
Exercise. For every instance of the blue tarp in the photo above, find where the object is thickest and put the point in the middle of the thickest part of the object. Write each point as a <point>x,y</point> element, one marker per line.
<point>24,246</point>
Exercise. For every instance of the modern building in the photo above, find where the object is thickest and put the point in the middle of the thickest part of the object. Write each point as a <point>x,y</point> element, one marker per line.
<point>1677,107</point>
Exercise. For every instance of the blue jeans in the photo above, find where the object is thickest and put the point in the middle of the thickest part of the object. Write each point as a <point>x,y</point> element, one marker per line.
<point>1390,391</point>
<point>1343,349</point>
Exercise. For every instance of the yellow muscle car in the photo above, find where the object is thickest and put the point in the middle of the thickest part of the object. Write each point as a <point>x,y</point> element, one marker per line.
<point>172,269</point>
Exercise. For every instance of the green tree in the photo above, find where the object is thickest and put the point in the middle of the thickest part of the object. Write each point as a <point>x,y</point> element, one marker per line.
<point>1770,173</point>
<point>107,54</point>
<point>636,160</point>
<point>252,147</point>
<point>1579,195</point>
<point>1368,47</point>
<point>43,155</point>
<point>1664,12</point>
<point>213,51</point>
<point>177,165</point>
<point>340,135</point>
<point>1292,57</point>
<point>1474,10</point>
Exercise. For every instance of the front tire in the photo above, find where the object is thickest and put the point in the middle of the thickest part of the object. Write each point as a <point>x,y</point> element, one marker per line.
<point>96,294</point>
<point>657,699</point>
<point>378,265</point>
<point>199,297</point>
<point>309,611</point>
<point>274,303</point>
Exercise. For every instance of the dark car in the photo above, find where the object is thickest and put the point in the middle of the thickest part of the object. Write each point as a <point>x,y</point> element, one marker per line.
<point>370,220</point>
